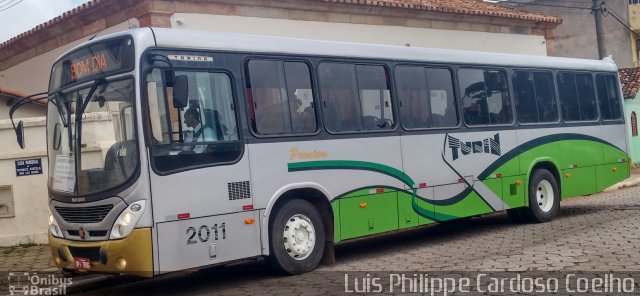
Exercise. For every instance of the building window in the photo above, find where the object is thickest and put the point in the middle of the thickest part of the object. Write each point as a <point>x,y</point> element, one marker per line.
<point>634,124</point>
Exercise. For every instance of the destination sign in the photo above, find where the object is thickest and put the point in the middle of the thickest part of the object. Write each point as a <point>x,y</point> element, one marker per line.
<point>89,65</point>
<point>96,60</point>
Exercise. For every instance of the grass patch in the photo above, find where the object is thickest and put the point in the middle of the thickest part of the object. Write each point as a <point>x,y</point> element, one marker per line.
<point>7,251</point>
<point>27,244</point>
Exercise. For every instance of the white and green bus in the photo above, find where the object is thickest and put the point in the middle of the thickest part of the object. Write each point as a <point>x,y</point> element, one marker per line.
<point>170,149</point>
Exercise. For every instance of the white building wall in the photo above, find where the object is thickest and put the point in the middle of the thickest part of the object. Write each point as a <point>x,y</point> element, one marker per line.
<point>28,193</point>
<point>377,34</point>
<point>27,111</point>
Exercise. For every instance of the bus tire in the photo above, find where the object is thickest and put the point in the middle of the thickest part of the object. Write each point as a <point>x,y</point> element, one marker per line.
<point>296,237</point>
<point>544,197</point>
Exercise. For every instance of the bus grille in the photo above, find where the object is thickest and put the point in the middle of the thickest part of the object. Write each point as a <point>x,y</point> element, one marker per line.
<point>239,190</point>
<point>84,215</point>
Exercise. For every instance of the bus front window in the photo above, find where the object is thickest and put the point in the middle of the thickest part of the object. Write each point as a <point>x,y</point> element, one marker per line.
<point>108,154</point>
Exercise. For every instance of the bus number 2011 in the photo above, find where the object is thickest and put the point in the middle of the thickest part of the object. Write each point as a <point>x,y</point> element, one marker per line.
<point>204,233</point>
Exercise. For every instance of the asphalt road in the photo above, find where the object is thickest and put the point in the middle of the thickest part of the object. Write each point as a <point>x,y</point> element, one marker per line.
<point>594,233</point>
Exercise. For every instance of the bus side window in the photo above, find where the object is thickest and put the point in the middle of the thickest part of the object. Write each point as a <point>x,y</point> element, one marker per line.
<point>587,97</point>
<point>535,97</point>
<point>375,97</point>
<point>568,97</point>
<point>208,122</point>
<point>485,96</point>
<point>339,92</point>
<point>300,94</point>
<point>608,97</point>
<point>280,97</point>
<point>578,97</point>
<point>427,97</point>
<point>411,84</point>
<point>441,95</point>
<point>158,111</point>
<point>546,100</point>
<point>355,97</point>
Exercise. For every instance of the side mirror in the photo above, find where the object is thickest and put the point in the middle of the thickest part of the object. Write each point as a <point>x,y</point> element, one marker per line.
<point>180,91</point>
<point>20,134</point>
<point>57,137</point>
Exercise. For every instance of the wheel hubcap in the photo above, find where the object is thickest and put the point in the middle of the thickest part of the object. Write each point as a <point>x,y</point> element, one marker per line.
<point>544,195</point>
<point>299,237</point>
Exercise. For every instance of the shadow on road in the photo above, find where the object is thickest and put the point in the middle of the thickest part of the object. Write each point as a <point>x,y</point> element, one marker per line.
<point>245,274</point>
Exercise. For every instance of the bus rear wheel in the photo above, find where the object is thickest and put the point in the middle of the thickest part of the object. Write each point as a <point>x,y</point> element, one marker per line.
<point>544,197</point>
<point>297,237</point>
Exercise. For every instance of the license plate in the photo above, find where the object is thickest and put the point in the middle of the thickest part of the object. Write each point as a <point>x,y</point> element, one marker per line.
<point>82,263</point>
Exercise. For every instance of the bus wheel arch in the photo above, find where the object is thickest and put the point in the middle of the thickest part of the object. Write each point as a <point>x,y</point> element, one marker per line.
<point>543,193</point>
<point>550,166</point>
<point>316,198</point>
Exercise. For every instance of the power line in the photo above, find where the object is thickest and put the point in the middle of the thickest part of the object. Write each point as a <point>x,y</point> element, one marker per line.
<point>552,5</point>
<point>4,8</point>
<point>620,20</point>
<point>6,4</point>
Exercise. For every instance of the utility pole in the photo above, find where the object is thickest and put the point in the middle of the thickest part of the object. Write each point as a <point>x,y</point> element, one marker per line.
<point>597,9</point>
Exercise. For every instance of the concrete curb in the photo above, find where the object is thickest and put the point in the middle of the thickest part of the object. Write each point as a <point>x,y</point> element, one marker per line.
<point>634,180</point>
<point>88,283</point>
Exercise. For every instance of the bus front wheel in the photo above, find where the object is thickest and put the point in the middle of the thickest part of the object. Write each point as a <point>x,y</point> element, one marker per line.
<point>297,237</point>
<point>544,197</point>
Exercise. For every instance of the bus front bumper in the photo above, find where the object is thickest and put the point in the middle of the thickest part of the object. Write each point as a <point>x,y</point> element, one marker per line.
<point>131,255</point>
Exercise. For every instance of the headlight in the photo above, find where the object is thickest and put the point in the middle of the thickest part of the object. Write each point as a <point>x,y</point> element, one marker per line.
<point>54,227</point>
<point>127,220</point>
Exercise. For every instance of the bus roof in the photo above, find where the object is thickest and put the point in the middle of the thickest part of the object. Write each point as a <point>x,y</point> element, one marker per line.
<point>204,40</point>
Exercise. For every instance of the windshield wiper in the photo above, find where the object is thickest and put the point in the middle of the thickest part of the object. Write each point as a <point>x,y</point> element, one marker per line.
<point>86,100</point>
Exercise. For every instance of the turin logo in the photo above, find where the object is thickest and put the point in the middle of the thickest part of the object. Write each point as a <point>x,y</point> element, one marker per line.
<point>488,145</point>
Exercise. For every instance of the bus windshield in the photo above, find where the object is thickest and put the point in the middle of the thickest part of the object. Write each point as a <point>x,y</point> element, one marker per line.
<point>98,118</point>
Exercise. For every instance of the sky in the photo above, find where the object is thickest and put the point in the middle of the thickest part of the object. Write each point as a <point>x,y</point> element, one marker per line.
<point>17,16</point>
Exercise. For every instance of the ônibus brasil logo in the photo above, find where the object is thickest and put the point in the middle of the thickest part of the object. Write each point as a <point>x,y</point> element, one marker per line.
<point>488,145</point>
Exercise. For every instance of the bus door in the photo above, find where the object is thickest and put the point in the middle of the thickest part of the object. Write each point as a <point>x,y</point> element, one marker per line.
<point>200,181</point>
<point>476,159</point>
<point>484,155</point>
<point>428,108</point>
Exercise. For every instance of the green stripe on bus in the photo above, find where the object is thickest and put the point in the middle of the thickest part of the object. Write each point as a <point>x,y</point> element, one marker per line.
<point>353,165</point>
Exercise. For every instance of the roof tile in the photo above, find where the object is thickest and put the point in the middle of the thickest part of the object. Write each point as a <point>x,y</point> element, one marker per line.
<point>630,80</point>
<point>467,7</point>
